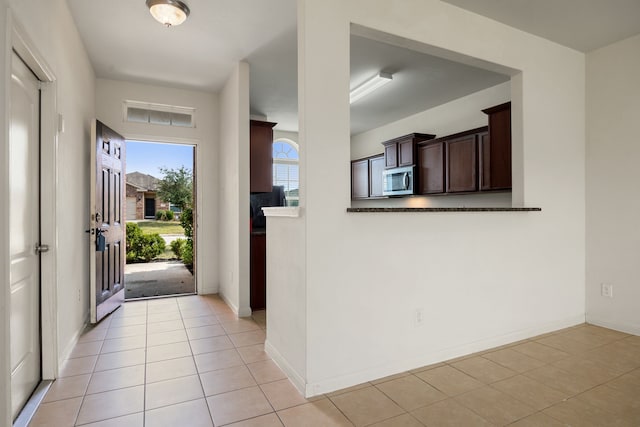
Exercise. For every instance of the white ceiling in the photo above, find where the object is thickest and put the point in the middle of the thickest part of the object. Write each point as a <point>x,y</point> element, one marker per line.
<point>125,43</point>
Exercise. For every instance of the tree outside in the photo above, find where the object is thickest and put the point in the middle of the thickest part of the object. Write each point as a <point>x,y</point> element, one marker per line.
<point>176,186</point>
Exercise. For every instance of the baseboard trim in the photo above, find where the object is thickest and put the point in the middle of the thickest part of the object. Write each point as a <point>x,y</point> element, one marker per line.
<point>71,344</point>
<point>617,326</point>
<point>298,382</point>
<point>231,305</point>
<point>338,383</point>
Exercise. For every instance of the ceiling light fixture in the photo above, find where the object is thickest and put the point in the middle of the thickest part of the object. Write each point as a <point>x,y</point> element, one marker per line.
<point>168,12</point>
<point>374,83</point>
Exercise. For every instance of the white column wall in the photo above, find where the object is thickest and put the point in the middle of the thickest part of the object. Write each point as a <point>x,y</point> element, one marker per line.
<point>613,205</point>
<point>110,97</point>
<point>482,279</point>
<point>233,173</point>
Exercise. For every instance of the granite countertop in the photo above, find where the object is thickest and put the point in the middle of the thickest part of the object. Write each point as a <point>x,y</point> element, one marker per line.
<point>359,210</point>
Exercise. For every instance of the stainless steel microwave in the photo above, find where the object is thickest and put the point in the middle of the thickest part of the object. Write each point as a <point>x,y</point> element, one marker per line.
<point>398,181</point>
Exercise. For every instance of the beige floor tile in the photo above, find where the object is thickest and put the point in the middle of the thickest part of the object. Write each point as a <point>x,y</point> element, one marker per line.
<point>240,325</point>
<point>195,322</point>
<point>66,388</point>
<point>248,338</point>
<point>538,419</point>
<point>348,389</point>
<point>253,353</point>
<point>166,337</point>
<point>541,352</point>
<point>93,334</point>
<point>449,380</point>
<point>410,392</point>
<point>123,344</point>
<point>282,394</point>
<point>194,413</point>
<point>133,420</point>
<point>495,406</point>
<point>628,383</point>
<point>614,358</point>
<point>225,380</point>
<point>484,369</point>
<point>575,412</point>
<point>116,378</point>
<point>120,402</point>
<point>426,368</point>
<point>217,360</point>
<point>321,413</point>
<point>205,332</point>
<point>560,380</point>
<point>266,371</point>
<point>390,378</point>
<point>168,351</point>
<point>165,305</point>
<point>238,405</point>
<point>86,349</point>
<point>269,420</point>
<point>62,413</point>
<point>587,369</point>
<point>131,308</point>
<point>598,330</point>
<point>209,345</point>
<point>449,413</point>
<point>78,366</point>
<point>561,342</point>
<point>514,360</point>
<point>405,420</point>
<point>612,400</point>
<point>173,391</point>
<point>584,336</point>
<point>127,331</point>
<point>530,392</point>
<point>366,406</point>
<point>125,321</point>
<point>172,325</point>
<point>170,369</point>
<point>163,317</point>
<point>120,359</point>
<point>189,313</point>
<point>225,316</point>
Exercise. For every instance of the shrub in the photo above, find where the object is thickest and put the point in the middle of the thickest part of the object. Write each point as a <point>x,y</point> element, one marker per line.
<point>168,215</point>
<point>186,220</point>
<point>161,215</point>
<point>142,247</point>
<point>187,252</point>
<point>177,246</point>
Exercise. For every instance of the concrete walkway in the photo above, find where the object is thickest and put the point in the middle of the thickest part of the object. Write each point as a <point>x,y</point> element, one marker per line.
<point>157,279</point>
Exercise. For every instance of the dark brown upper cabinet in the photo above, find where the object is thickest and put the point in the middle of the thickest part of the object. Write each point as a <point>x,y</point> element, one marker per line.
<point>462,164</point>
<point>261,157</point>
<point>366,177</point>
<point>495,149</point>
<point>431,167</point>
<point>401,151</point>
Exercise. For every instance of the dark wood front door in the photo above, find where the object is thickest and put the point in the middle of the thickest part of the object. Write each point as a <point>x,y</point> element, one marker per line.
<point>149,208</point>
<point>107,257</point>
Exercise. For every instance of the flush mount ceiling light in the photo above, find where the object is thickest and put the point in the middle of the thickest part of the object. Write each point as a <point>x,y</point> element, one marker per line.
<point>168,12</point>
<point>376,82</point>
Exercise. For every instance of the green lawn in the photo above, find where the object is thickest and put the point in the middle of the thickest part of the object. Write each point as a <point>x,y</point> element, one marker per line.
<point>161,227</point>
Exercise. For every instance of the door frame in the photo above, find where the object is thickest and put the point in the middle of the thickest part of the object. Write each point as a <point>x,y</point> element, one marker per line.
<point>197,188</point>
<point>18,40</point>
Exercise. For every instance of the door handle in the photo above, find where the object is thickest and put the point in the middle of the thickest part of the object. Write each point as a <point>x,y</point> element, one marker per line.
<point>406,180</point>
<point>41,249</point>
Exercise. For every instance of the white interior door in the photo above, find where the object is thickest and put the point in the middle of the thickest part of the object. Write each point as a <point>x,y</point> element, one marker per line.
<point>24,236</point>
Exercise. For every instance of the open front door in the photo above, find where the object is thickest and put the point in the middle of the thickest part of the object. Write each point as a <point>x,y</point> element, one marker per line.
<point>107,229</point>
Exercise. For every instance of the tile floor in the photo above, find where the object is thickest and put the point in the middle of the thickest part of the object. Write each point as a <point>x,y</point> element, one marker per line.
<point>190,362</point>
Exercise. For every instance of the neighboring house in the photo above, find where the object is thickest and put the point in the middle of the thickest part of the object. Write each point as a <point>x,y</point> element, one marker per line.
<point>142,199</point>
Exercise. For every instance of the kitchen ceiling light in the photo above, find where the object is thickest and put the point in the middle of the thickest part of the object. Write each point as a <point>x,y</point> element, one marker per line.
<point>369,86</point>
<point>168,12</point>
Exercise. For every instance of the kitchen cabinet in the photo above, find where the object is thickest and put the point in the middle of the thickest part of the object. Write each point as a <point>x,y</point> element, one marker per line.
<point>258,271</point>
<point>462,164</point>
<point>401,151</point>
<point>431,168</point>
<point>261,156</point>
<point>366,177</point>
<point>495,149</point>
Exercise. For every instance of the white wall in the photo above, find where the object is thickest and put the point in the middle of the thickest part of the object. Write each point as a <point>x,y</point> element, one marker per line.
<point>613,205</point>
<point>456,116</point>
<point>51,28</point>
<point>110,96</point>
<point>482,278</point>
<point>233,175</point>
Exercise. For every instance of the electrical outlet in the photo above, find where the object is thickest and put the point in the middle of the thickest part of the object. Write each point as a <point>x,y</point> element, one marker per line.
<point>418,320</point>
<point>606,290</point>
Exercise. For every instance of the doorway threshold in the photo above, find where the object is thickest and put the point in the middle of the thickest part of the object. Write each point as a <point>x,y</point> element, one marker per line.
<point>29,410</point>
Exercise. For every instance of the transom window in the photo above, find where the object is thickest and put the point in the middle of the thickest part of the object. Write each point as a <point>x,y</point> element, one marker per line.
<point>286,169</point>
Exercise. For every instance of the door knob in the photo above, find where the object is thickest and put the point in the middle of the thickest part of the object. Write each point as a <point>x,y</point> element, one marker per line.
<point>41,249</point>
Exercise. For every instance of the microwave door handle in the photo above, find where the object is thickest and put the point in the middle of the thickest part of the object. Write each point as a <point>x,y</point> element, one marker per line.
<point>406,180</point>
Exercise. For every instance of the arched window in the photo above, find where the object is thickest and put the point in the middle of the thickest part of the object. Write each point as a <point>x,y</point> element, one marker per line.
<point>286,169</point>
